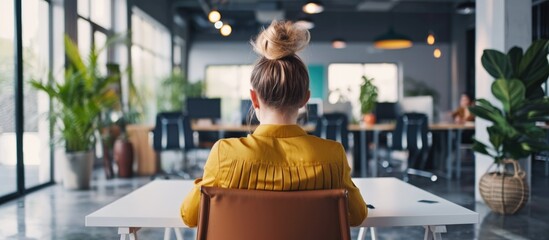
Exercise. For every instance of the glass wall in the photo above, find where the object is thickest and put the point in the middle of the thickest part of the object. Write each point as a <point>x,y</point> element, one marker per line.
<point>151,59</point>
<point>36,52</point>
<point>344,82</point>
<point>8,156</point>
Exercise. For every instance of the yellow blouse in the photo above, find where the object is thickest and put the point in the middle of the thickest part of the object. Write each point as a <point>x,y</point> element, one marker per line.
<point>277,157</point>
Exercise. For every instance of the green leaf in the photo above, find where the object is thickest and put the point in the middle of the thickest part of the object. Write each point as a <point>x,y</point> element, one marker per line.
<point>496,137</point>
<point>480,147</point>
<point>509,92</point>
<point>486,110</point>
<point>497,64</point>
<point>534,66</point>
<point>515,56</point>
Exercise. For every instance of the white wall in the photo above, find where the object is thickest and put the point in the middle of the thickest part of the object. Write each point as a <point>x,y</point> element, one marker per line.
<point>416,62</point>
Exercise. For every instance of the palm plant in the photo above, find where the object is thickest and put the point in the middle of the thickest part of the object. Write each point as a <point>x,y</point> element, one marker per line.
<point>78,100</point>
<point>518,87</point>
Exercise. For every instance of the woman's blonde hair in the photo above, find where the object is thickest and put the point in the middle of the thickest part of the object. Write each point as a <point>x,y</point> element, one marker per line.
<point>280,77</point>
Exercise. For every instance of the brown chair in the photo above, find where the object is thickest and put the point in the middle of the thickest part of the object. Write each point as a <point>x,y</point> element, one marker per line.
<point>235,214</point>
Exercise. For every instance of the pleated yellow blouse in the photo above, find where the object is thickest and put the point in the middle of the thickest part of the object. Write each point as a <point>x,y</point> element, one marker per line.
<point>277,157</point>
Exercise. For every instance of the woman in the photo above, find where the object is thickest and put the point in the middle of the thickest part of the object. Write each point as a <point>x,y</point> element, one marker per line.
<point>462,114</point>
<point>279,155</point>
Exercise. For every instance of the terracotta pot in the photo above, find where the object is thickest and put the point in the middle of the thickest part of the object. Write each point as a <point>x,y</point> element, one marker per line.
<point>505,193</point>
<point>123,155</point>
<point>369,119</point>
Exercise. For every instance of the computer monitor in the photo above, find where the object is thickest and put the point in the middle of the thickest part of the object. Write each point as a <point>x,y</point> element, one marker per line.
<point>200,108</point>
<point>245,111</point>
<point>386,112</point>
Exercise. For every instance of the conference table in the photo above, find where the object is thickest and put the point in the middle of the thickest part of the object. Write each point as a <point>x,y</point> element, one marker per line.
<point>396,203</point>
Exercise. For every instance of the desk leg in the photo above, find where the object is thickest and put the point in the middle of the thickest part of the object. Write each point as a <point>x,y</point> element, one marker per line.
<point>373,233</point>
<point>458,153</point>
<point>131,232</point>
<point>434,232</point>
<point>168,233</point>
<point>375,153</point>
<point>178,234</point>
<point>362,233</point>
<point>363,154</point>
<point>449,168</point>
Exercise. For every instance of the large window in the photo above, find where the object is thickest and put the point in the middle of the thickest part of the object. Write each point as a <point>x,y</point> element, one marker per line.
<point>8,157</point>
<point>94,27</point>
<point>36,52</point>
<point>151,59</point>
<point>344,82</point>
<point>231,83</point>
<point>25,136</point>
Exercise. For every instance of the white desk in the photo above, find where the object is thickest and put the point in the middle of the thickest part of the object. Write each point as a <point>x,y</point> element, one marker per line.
<point>156,205</point>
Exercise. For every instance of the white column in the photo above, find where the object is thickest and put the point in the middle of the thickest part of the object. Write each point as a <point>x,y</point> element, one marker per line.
<point>500,25</point>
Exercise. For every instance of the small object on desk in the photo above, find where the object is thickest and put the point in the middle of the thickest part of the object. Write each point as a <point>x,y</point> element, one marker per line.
<point>370,206</point>
<point>427,201</point>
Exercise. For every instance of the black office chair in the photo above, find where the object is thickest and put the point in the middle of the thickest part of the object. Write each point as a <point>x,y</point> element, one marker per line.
<point>411,134</point>
<point>333,126</point>
<point>172,132</point>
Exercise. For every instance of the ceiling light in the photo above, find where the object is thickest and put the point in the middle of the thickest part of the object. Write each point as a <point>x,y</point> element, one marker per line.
<point>467,7</point>
<point>305,22</point>
<point>313,7</point>
<point>392,40</point>
<point>437,53</point>
<point>339,43</point>
<point>218,24</point>
<point>214,16</point>
<point>226,30</point>
<point>431,38</point>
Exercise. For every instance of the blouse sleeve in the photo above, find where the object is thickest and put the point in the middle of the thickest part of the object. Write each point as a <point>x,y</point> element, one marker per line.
<point>189,208</point>
<point>357,206</point>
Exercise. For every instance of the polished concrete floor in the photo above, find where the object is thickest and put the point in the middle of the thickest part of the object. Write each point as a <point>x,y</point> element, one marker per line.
<point>54,213</point>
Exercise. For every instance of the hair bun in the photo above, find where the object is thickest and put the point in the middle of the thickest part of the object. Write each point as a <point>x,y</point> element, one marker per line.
<point>281,39</point>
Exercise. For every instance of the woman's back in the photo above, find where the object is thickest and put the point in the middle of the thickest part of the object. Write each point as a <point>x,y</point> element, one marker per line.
<point>280,157</point>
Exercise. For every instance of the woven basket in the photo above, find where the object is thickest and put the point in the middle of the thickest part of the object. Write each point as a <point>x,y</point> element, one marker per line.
<point>504,193</point>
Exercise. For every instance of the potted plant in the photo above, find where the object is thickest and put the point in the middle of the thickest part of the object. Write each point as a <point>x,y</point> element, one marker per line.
<point>123,151</point>
<point>514,134</point>
<point>77,103</point>
<point>368,98</point>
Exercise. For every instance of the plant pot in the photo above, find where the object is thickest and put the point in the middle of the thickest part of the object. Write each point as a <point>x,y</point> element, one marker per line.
<point>505,193</point>
<point>369,119</point>
<point>78,169</point>
<point>123,155</point>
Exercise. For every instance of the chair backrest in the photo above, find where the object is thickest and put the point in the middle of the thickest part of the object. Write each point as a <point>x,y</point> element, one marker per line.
<point>333,126</point>
<point>412,133</point>
<point>172,132</point>
<point>237,214</point>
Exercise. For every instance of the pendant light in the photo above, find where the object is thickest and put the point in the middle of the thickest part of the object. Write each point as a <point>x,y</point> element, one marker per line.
<point>392,40</point>
<point>214,16</point>
<point>313,7</point>
<point>431,38</point>
<point>465,8</point>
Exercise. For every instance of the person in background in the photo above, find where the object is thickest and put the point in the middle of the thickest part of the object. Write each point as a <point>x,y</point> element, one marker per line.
<point>462,114</point>
<point>279,155</point>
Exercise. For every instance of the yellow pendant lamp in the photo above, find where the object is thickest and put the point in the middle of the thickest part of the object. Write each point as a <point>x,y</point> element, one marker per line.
<point>392,40</point>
